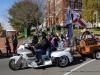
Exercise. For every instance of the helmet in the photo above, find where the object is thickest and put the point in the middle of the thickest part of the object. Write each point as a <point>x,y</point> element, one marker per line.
<point>51,33</point>
<point>42,34</point>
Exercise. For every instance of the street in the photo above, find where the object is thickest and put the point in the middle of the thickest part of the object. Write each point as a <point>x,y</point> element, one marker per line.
<point>77,67</point>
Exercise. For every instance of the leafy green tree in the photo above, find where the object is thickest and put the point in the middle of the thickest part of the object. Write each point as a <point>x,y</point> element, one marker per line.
<point>25,13</point>
<point>1,28</point>
<point>89,8</point>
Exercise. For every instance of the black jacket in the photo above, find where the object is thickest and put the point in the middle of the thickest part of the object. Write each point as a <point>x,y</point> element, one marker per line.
<point>43,44</point>
<point>35,40</point>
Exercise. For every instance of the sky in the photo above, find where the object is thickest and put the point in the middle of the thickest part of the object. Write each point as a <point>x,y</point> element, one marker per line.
<point>5,5</point>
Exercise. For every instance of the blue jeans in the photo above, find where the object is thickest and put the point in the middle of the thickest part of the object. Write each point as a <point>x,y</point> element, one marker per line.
<point>39,53</point>
<point>48,52</point>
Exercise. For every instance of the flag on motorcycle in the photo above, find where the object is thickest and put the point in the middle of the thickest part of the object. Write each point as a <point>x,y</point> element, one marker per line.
<point>69,20</point>
<point>82,22</point>
<point>69,24</point>
<point>77,19</point>
<point>75,16</point>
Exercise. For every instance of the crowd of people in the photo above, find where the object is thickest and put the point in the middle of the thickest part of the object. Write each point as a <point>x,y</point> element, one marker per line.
<point>87,34</point>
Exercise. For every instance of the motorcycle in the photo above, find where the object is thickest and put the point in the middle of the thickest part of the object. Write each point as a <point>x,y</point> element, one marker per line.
<point>60,57</point>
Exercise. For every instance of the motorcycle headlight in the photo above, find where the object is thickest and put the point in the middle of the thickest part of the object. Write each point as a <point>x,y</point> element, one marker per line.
<point>52,58</point>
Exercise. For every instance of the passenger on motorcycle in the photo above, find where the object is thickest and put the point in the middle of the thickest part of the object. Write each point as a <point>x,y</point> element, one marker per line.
<point>53,42</point>
<point>41,47</point>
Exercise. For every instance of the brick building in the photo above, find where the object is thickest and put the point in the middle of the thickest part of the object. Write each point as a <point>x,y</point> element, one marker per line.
<point>55,10</point>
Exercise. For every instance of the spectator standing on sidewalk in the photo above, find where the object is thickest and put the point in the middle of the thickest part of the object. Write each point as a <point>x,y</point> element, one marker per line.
<point>7,46</point>
<point>15,43</point>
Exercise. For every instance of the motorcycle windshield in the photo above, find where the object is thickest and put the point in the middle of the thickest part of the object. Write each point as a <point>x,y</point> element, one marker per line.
<point>26,41</point>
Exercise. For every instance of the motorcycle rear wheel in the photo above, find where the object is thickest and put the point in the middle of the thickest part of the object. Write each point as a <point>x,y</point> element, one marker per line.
<point>14,66</point>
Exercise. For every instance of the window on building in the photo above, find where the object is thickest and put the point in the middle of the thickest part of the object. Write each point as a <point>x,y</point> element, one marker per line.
<point>79,5</point>
<point>72,5</point>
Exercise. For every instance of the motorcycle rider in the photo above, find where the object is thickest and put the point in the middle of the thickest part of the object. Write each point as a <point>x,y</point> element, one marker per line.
<point>40,48</point>
<point>35,39</point>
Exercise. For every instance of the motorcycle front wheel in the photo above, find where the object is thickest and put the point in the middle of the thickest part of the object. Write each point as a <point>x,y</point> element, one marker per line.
<point>14,66</point>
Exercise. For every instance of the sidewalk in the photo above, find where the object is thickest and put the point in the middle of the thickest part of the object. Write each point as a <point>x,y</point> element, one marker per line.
<point>2,45</point>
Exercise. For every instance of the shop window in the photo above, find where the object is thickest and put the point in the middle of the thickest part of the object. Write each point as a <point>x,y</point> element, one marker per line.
<point>72,5</point>
<point>79,5</point>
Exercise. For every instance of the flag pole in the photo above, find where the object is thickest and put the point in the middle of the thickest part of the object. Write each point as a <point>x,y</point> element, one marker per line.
<point>70,34</point>
<point>73,41</point>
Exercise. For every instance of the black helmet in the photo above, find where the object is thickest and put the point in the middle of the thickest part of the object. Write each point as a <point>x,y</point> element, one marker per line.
<point>51,33</point>
<point>42,34</point>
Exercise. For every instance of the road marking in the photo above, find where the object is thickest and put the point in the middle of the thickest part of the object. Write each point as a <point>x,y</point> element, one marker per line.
<point>78,67</point>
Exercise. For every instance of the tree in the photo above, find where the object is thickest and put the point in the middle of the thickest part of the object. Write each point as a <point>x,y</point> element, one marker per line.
<point>1,28</point>
<point>41,7</point>
<point>89,7</point>
<point>25,13</point>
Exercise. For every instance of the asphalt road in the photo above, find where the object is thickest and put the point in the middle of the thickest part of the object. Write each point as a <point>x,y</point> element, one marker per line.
<point>79,66</point>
